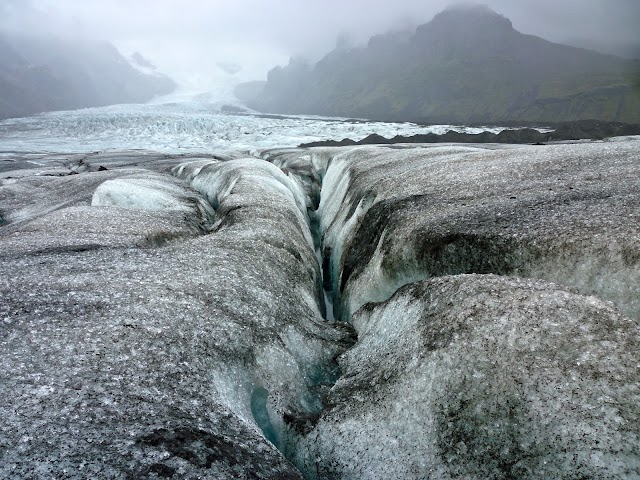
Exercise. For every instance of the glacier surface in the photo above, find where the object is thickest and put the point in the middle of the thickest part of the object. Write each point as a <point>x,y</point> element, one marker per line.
<point>480,376</point>
<point>124,356</point>
<point>164,313</point>
<point>185,127</point>
<point>564,213</point>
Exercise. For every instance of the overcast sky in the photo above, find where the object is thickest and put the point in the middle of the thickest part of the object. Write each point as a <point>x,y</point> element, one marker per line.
<point>188,38</point>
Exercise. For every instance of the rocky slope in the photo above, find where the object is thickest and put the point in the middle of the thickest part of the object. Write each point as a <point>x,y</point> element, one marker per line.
<point>44,73</point>
<point>467,65</point>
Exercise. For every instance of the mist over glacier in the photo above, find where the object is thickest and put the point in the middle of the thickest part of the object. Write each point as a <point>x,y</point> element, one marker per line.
<point>189,41</point>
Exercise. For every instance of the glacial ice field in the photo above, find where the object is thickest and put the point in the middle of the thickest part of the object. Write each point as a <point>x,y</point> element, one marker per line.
<point>185,128</point>
<point>183,295</point>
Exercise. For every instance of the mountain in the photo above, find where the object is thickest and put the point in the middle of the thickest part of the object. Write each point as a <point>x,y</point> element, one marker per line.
<point>467,65</point>
<point>44,73</point>
<point>630,50</point>
<point>249,91</point>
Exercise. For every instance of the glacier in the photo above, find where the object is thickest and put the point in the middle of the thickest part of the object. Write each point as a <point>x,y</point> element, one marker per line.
<point>185,127</point>
<point>564,213</point>
<point>481,376</point>
<point>126,356</point>
<point>187,294</point>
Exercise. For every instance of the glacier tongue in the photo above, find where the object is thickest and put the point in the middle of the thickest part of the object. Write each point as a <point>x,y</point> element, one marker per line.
<point>180,127</point>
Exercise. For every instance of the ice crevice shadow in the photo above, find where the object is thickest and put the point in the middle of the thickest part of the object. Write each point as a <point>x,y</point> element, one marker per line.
<point>236,191</point>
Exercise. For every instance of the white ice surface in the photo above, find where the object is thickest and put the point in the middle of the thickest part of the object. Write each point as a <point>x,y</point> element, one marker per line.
<point>149,193</point>
<point>184,127</point>
<point>217,180</point>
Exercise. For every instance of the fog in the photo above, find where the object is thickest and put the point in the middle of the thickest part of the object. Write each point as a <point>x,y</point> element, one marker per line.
<point>192,40</point>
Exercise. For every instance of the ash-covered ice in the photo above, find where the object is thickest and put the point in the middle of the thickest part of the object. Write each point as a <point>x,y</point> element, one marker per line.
<point>564,213</point>
<point>126,357</point>
<point>165,315</point>
<point>481,376</point>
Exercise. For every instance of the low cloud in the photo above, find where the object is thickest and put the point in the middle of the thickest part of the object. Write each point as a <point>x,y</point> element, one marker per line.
<point>191,39</point>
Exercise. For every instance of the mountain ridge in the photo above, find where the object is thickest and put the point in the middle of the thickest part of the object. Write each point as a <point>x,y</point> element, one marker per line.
<point>467,65</point>
<point>47,73</point>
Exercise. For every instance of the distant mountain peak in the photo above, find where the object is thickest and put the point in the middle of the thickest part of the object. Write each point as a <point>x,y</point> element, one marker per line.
<point>471,7</point>
<point>471,12</point>
<point>468,64</point>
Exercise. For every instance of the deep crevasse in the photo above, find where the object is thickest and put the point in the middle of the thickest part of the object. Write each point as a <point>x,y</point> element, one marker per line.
<point>463,375</point>
<point>181,360</point>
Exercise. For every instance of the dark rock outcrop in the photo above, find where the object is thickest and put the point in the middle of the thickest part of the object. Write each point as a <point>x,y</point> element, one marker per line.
<point>580,130</point>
